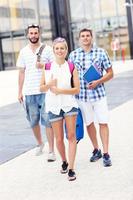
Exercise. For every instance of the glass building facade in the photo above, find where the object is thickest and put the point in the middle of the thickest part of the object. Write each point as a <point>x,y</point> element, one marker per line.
<point>111,22</point>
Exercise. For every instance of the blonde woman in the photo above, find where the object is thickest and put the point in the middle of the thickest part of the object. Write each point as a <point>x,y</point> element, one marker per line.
<point>61,104</point>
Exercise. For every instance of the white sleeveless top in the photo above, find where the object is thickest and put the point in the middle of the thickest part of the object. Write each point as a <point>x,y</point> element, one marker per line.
<point>55,103</point>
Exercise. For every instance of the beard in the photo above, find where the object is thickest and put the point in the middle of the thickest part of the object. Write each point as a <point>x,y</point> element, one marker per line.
<point>34,40</point>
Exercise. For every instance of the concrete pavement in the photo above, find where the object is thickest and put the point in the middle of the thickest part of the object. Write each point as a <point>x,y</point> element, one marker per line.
<point>28,177</point>
<point>16,136</point>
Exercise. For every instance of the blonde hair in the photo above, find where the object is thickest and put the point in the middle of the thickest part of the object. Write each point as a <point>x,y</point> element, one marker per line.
<point>60,40</point>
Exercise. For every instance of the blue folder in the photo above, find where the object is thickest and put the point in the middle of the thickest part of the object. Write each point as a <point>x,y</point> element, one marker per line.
<point>92,74</point>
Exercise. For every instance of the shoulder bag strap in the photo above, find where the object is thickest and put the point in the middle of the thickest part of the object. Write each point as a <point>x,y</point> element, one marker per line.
<point>40,52</point>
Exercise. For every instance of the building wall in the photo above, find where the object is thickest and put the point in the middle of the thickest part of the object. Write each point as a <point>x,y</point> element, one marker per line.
<point>108,19</point>
<point>15,15</point>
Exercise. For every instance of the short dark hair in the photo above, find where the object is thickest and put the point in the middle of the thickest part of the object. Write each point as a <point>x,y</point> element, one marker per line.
<point>85,30</point>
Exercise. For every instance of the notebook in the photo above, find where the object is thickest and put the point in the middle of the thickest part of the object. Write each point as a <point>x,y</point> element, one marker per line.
<point>92,74</point>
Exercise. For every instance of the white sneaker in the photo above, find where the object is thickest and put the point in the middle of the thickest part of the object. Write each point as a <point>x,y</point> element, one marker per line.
<point>51,157</point>
<point>39,150</point>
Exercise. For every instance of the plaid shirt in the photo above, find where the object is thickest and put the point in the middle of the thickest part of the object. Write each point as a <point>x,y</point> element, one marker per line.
<point>82,60</point>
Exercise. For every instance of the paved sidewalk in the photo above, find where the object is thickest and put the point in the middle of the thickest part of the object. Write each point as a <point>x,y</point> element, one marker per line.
<point>28,177</point>
<point>31,178</point>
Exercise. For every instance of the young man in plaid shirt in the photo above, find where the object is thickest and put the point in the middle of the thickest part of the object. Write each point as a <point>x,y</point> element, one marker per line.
<point>92,97</point>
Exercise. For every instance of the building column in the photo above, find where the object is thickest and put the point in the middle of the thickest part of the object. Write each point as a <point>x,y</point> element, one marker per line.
<point>60,20</point>
<point>1,57</point>
<point>129,7</point>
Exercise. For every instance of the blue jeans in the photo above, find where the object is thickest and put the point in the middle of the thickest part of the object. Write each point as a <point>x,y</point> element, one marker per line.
<point>35,110</point>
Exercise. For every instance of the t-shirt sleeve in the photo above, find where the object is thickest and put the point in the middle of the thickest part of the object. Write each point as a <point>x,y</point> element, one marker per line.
<point>48,55</point>
<point>20,60</point>
<point>106,63</point>
<point>51,55</point>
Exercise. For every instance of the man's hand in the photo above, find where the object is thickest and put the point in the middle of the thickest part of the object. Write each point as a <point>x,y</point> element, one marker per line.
<point>39,65</point>
<point>20,98</point>
<point>92,85</point>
